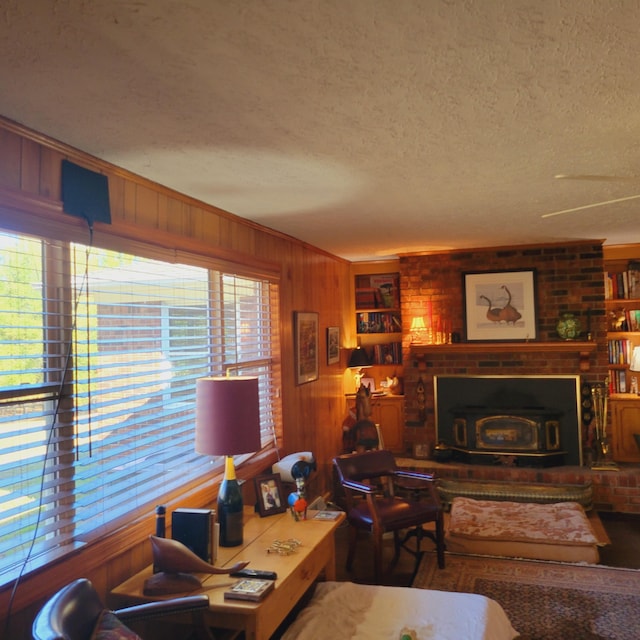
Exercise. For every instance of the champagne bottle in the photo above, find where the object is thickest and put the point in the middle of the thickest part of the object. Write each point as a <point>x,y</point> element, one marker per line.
<point>230,507</point>
<point>160,521</point>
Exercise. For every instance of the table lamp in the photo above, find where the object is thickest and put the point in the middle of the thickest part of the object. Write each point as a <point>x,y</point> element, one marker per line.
<point>228,424</point>
<point>418,330</point>
<point>358,360</point>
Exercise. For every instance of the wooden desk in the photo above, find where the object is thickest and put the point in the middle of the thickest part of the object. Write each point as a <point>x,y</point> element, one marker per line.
<point>296,573</point>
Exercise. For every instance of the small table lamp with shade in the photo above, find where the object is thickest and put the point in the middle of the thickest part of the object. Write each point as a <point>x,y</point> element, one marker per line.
<point>358,360</point>
<point>228,424</point>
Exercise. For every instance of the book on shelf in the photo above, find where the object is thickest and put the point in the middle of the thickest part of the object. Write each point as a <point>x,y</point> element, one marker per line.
<point>619,351</point>
<point>618,381</point>
<point>634,279</point>
<point>389,353</point>
<point>623,285</point>
<point>249,589</point>
<point>378,322</point>
<point>378,291</point>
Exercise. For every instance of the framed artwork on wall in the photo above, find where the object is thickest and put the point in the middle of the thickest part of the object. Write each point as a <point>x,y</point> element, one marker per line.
<point>306,346</point>
<point>333,345</point>
<point>500,306</point>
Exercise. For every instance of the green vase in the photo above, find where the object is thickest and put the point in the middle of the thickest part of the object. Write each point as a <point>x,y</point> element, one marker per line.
<point>568,327</point>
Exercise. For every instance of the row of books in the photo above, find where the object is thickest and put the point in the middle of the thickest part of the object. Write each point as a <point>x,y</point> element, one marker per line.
<point>389,353</point>
<point>378,291</point>
<point>619,381</point>
<point>623,285</point>
<point>378,322</point>
<point>619,351</point>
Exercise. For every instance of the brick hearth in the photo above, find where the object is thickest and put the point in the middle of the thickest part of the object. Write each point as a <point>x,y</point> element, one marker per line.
<point>617,491</point>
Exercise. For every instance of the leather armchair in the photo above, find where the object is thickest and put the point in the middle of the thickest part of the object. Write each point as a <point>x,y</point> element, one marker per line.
<point>73,612</point>
<point>372,481</point>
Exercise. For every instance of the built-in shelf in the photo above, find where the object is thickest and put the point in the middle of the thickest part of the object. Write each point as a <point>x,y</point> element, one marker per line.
<point>584,349</point>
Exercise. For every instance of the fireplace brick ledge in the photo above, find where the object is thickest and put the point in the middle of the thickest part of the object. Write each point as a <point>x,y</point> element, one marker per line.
<point>516,492</point>
<point>584,349</point>
<point>617,491</point>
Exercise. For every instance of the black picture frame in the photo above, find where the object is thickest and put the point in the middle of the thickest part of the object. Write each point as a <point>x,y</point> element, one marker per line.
<point>500,306</point>
<point>333,345</point>
<point>270,496</point>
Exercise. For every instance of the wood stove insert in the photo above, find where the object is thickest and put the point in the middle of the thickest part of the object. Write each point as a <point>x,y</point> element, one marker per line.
<point>525,420</point>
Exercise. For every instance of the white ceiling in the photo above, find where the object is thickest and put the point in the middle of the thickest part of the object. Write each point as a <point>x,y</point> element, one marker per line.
<point>367,128</point>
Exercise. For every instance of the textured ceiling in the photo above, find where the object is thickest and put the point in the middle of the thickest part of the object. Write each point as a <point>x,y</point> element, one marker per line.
<point>367,128</point>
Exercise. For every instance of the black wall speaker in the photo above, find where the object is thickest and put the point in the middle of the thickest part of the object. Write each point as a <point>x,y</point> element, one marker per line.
<point>85,193</point>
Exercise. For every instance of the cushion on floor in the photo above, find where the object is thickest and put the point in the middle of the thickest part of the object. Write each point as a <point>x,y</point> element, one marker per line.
<point>559,531</point>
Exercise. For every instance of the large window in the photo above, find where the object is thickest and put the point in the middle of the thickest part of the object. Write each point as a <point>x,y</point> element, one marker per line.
<point>99,355</point>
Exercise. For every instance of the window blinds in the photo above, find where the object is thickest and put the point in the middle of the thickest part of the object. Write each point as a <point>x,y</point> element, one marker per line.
<point>99,354</point>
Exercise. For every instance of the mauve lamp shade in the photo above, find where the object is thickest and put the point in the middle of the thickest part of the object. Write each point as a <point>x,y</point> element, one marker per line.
<point>227,415</point>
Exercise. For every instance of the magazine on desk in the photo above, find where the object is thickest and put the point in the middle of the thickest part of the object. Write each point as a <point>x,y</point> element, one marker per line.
<point>327,515</point>
<point>249,589</point>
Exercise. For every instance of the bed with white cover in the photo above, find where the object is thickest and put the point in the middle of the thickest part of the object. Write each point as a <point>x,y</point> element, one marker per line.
<point>370,612</point>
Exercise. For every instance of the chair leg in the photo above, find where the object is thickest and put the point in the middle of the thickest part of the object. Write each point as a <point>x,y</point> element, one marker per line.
<point>353,539</point>
<point>377,556</point>
<point>397,544</point>
<point>440,546</point>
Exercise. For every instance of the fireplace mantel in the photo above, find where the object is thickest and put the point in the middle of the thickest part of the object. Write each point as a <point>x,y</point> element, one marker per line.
<point>583,349</point>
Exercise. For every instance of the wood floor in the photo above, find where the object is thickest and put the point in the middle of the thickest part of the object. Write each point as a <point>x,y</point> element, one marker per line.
<point>622,529</point>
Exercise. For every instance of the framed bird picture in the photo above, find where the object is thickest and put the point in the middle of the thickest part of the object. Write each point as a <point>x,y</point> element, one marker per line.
<point>500,305</point>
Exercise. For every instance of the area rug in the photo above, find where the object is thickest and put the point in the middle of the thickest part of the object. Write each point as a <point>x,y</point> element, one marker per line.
<point>545,600</point>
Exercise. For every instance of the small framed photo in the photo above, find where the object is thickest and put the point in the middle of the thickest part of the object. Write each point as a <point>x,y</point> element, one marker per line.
<point>500,305</point>
<point>333,345</point>
<point>306,346</point>
<point>368,382</point>
<point>421,450</point>
<point>269,495</point>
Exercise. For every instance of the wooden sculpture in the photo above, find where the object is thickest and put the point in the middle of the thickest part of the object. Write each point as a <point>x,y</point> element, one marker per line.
<point>175,563</point>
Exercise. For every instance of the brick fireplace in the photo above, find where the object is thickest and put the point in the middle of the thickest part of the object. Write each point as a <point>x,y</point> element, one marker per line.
<point>569,278</point>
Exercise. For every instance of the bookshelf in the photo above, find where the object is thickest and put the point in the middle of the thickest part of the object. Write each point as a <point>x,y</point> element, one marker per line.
<point>622,305</point>
<point>377,316</point>
<point>378,325</point>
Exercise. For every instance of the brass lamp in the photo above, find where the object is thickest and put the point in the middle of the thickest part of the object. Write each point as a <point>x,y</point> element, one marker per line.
<point>358,360</point>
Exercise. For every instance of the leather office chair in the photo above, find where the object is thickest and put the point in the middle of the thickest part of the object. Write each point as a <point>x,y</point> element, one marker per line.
<point>73,613</point>
<point>370,481</point>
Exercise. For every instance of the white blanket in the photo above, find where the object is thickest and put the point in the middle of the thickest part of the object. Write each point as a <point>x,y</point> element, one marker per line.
<point>366,612</point>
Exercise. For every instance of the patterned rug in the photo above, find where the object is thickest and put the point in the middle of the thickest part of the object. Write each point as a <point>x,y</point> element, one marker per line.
<point>546,600</point>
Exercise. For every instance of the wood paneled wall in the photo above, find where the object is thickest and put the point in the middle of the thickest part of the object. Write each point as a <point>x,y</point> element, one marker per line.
<point>311,280</point>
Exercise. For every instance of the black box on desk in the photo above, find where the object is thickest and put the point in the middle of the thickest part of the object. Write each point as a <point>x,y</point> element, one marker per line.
<point>195,528</point>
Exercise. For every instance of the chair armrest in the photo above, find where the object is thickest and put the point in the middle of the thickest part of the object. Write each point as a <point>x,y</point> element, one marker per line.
<point>414,475</point>
<point>185,604</point>
<point>416,481</point>
<point>357,486</point>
